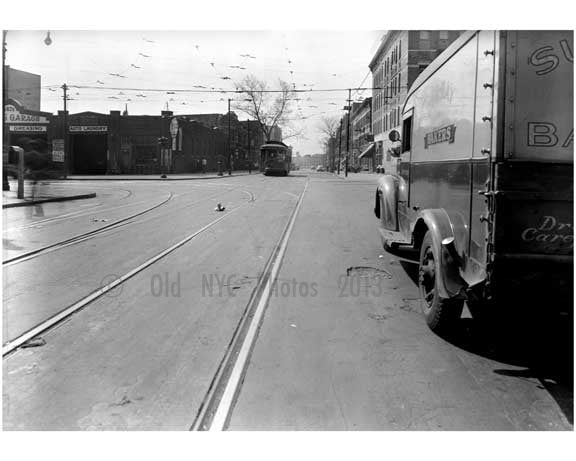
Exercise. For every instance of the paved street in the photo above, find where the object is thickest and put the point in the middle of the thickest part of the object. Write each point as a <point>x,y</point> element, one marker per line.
<point>155,290</point>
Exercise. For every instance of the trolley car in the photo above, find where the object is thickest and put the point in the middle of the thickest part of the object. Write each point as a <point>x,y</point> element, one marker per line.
<point>275,158</point>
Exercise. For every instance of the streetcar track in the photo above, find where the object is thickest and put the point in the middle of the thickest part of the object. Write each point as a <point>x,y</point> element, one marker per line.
<point>80,237</point>
<point>216,407</point>
<point>116,224</point>
<point>72,215</point>
<point>245,333</point>
<point>86,211</point>
<point>65,313</point>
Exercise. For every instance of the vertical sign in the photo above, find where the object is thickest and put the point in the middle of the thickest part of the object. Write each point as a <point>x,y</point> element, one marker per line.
<point>58,150</point>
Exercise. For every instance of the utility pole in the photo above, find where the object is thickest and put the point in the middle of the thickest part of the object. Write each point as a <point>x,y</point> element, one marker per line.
<point>65,124</point>
<point>249,149</point>
<point>5,135</point>
<point>348,131</point>
<point>339,145</point>
<point>229,142</point>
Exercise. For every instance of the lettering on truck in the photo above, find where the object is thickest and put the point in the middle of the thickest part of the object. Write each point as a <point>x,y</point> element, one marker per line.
<point>544,134</point>
<point>549,231</point>
<point>444,134</point>
<point>547,58</point>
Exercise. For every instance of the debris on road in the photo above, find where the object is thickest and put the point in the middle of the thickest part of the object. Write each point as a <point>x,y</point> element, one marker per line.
<point>34,342</point>
<point>219,207</point>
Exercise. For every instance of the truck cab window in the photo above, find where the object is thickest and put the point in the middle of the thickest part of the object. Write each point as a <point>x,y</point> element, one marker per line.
<point>406,134</point>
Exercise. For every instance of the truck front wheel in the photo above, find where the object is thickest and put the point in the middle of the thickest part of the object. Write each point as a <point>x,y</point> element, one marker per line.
<point>440,313</point>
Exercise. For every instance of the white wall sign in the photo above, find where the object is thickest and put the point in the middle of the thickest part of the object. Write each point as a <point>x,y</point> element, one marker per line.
<point>27,128</point>
<point>88,129</point>
<point>13,115</point>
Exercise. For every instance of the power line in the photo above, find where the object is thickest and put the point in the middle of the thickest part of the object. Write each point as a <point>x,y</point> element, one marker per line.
<point>311,90</point>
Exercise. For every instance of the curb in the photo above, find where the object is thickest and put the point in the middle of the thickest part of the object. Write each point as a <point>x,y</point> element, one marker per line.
<point>47,200</point>
<point>124,178</point>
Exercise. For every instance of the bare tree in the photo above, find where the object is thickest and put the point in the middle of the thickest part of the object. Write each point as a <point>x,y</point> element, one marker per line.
<point>269,108</point>
<point>328,126</point>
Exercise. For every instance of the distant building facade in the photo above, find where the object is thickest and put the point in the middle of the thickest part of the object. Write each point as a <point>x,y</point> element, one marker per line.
<point>400,58</point>
<point>362,137</point>
<point>309,161</point>
<point>23,87</point>
<point>116,143</point>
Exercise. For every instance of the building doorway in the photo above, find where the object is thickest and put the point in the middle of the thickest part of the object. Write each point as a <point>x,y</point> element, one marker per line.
<point>89,153</point>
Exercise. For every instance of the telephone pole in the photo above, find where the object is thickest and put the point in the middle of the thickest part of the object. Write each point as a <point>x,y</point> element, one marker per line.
<point>65,124</point>
<point>348,131</point>
<point>339,145</point>
<point>229,142</point>
<point>249,149</point>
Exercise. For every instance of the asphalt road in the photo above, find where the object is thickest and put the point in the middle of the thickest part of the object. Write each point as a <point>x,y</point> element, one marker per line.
<point>339,342</point>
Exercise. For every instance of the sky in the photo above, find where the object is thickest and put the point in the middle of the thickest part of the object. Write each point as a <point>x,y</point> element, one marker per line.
<point>109,70</point>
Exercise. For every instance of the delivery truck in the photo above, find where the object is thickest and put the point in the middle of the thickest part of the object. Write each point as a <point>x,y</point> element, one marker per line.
<point>484,185</point>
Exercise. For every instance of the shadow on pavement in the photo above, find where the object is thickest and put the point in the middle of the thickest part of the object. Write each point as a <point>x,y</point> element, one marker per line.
<point>543,345</point>
<point>544,349</point>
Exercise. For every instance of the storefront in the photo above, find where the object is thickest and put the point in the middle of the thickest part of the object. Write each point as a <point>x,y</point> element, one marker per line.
<point>88,143</point>
<point>25,128</point>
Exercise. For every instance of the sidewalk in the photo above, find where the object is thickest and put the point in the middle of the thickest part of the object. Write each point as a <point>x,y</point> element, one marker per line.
<point>156,177</point>
<point>361,175</point>
<point>44,192</point>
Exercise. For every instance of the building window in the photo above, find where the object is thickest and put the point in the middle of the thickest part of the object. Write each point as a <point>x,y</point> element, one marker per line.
<point>424,39</point>
<point>443,40</point>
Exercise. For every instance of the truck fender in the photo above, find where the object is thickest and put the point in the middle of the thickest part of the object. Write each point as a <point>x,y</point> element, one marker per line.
<point>386,206</point>
<point>448,265</point>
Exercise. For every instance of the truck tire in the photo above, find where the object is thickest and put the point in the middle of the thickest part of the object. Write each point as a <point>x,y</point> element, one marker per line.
<point>440,313</point>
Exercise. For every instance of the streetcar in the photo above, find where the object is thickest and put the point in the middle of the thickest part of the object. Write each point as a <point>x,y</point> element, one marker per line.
<point>275,158</point>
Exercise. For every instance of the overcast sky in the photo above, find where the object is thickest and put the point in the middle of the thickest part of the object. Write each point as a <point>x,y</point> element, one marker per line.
<point>174,60</point>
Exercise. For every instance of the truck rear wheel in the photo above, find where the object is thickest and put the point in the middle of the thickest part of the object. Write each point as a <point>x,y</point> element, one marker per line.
<point>440,313</point>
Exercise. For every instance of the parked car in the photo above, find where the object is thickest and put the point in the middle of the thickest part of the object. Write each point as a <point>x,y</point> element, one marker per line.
<point>319,168</point>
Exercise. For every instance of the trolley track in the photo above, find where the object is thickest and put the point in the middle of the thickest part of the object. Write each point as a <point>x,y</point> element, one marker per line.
<point>56,319</point>
<point>114,225</point>
<point>231,369</point>
<point>218,403</point>
<point>81,303</point>
<point>80,237</point>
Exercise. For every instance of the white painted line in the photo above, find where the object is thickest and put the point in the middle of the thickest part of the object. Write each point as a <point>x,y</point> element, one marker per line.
<point>11,345</point>
<point>226,402</point>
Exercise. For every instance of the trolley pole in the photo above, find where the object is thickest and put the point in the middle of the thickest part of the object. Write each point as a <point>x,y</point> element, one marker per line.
<point>65,125</point>
<point>348,131</point>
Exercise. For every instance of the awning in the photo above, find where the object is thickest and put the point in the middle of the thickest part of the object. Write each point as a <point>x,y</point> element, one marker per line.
<point>368,151</point>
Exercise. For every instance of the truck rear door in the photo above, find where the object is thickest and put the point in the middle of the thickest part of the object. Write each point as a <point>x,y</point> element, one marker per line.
<point>534,176</point>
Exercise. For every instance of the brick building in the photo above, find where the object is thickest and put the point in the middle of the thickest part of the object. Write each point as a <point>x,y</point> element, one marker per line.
<point>118,143</point>
<point>23,87</point>
<point>400,58</point>
<point>362,137</point>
